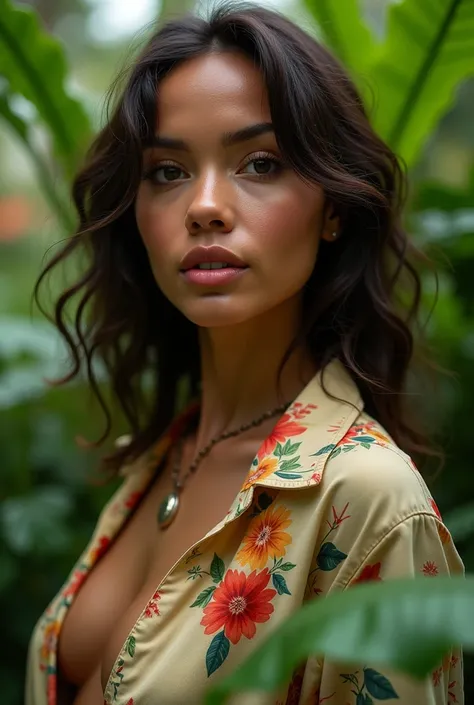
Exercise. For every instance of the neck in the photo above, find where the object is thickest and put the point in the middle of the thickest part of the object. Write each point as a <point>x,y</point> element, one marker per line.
<point>239,370</point>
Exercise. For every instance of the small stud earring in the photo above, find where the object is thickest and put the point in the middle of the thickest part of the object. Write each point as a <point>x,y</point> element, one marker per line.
<point>334,234</point>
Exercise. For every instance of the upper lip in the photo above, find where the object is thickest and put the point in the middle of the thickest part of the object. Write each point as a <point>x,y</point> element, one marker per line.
<point>214,253</point>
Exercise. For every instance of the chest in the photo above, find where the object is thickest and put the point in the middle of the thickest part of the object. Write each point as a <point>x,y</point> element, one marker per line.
<point>123,582</point>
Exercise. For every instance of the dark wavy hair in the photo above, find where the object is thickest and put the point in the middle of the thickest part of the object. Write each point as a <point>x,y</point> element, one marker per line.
<point>362,299</point>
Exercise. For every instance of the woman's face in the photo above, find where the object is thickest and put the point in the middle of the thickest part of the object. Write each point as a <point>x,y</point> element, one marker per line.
<point>215,177</point>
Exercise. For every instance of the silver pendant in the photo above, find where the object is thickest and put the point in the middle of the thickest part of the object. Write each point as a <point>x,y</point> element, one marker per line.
<point>168,509</point>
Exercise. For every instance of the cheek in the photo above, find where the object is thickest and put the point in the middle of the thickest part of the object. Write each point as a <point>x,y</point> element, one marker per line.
<point>290,229</point>
<point>156,230</point>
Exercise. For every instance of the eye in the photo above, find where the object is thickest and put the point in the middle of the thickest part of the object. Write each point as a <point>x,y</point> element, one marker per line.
<point>262,165</point>
<point>165,174</point>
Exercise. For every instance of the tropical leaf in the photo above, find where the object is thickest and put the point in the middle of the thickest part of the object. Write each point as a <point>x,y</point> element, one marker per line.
<point>423,617</point>
<point>34,66</point>
<point>428,51</point>
<point>345,31</point>
<point>22,130</point>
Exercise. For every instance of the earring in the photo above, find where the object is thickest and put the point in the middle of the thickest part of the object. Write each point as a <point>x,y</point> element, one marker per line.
<point>334,234</point>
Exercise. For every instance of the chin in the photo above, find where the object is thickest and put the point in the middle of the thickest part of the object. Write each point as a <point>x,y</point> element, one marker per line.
<point>209,313</point>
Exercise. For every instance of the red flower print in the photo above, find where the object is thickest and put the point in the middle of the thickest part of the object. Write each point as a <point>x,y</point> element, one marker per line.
<point>453,662</point>
<point>338,518</point>
<point>299,411</point>
<point>132,500</point>
<point>51,689</point>
<point>316,477</point>
<point>238,604</point>
<point>317,591</point>
<point>284,429</point>
<point>100,549</point>
<point>130,702</point>
<point>436,676</point>
<point>434,507</point>
<point>370,573</point>
<point>430,568</point>
<point>76,582</point>
<point>451,694</point>
<point>152,607</point>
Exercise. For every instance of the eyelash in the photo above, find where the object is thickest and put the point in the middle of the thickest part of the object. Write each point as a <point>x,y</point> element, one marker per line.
<point>255,157</point>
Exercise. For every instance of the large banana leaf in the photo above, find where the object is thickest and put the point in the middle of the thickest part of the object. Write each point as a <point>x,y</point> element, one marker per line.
<point>428,51</point>
<point>22,130</point>
<point>344,30</point>
<point>34,66</point>
<point>408,625</point>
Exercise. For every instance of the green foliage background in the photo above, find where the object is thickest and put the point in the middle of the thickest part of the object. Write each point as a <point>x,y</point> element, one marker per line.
<point>413,63</point>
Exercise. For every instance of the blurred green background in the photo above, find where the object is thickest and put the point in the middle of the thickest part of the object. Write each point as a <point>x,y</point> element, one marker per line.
<point>49,501</point>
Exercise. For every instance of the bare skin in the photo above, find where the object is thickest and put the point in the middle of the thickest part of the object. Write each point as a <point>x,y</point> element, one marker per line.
<point>203,193</point>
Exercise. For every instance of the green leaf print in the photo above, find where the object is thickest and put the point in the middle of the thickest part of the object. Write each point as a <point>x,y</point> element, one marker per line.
<point>378,686</point>
<point>292,464</point>
<point>217,653</point>
<point>329,556</point>
<point>288,475</point>
<point>365,439</point>
<point>204,597</point>
<point>287,566</point>
<point>364,699</point>
<point>290,448</point>
<point>278,452</point>
<point>217,569</point>
<point>279,583</point>
<point>131,644</point>
<point>326,449</point>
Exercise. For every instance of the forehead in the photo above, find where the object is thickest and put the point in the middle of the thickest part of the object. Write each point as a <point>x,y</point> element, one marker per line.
<point>211,89</point>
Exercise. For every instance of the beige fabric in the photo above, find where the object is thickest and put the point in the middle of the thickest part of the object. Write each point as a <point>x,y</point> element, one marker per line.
<point>329,501</point>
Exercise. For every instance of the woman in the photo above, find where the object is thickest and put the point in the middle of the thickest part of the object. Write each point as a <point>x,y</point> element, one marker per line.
<point>242,223</point>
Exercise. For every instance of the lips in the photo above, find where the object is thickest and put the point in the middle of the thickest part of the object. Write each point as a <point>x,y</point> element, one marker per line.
<point>214,253</point>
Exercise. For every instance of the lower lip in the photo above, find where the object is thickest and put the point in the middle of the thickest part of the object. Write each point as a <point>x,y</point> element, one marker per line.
<point>211,277</point>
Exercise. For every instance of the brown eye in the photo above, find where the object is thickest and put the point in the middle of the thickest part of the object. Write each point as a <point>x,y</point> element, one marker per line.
<point>166,174</point>
<point>170,173</point>
<point>262,166</point>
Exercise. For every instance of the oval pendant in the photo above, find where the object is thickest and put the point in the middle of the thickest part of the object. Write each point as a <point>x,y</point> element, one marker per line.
<point>168,509</point>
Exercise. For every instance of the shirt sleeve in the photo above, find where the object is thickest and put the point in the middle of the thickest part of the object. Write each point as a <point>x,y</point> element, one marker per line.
<point>418,545</point>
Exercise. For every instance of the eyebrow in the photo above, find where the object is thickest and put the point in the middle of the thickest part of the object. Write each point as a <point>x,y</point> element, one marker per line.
<point>228,138</point>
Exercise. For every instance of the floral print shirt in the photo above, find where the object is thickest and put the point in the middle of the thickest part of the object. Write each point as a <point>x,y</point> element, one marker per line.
<point>329,501</point>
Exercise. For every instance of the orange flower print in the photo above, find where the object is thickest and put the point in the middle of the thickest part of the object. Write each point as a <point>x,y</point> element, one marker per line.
<point>50,638</point>
<point>265,467</point>
<point>436,676</point>
<point>430,568</point>
<point>370,573</point>
<point>265,538</point>
<point>152,607</point>
<point>284,429</point>
<point>434,507</point>
<point>367,429</point>
<point>238,604</point>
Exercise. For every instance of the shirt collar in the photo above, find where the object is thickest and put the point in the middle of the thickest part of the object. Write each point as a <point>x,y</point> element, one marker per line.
<point>294,454</point>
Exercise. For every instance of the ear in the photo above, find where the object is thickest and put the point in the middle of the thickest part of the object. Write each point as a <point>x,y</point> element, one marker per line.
<point>331,226</point>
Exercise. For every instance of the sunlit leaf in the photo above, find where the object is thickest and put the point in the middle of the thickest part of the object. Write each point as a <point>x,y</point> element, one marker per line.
<point>345,31</point>
<point>429,50</point>
<point>33,64</point>
<point>407,625</point>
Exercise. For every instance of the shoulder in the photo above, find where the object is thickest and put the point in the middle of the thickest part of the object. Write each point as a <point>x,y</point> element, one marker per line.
<point>369,470</point>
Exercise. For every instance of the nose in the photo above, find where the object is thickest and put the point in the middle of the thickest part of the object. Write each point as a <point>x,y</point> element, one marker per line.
<point>210,209</point>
